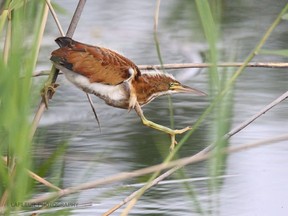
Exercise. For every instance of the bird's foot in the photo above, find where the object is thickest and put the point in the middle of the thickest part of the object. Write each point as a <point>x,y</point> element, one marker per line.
<point>47,92</point>
<point>174,133</point>
<point>159,127</point>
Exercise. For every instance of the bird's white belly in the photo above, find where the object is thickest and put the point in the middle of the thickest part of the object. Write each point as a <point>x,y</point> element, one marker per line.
<point>106,92</point>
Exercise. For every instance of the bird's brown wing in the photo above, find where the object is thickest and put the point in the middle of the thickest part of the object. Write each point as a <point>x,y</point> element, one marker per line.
<point>99,65</point>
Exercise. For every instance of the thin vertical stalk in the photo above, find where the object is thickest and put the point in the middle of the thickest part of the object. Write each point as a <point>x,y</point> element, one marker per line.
<point>140,192</point>
<point>7,43</point>
<point>40,35</point>
<point>158,50</point>
<point>3,18</point>
<point>156,39</point>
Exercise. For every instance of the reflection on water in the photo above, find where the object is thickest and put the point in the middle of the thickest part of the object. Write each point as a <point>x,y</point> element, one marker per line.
<point>258,186</point>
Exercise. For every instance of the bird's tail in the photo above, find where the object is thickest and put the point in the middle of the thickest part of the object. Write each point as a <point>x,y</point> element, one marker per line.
<point>64,41</point>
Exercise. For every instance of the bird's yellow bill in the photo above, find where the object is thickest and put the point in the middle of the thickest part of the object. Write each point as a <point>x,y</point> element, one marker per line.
<point>187,89</point>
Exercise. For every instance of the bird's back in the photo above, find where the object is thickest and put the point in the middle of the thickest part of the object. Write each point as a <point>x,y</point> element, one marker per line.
<point>99,65</point>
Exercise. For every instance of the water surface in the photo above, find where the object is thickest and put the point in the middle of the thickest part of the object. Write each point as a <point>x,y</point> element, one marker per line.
<point>256,179</point>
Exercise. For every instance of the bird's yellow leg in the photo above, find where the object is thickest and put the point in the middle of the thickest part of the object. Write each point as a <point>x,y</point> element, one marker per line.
<point>162,128</point>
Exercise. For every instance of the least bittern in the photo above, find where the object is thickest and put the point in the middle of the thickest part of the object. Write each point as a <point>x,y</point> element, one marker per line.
<point>116,79</point>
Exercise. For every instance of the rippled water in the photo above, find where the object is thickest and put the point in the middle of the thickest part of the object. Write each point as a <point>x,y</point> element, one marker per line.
<point>256,181</point>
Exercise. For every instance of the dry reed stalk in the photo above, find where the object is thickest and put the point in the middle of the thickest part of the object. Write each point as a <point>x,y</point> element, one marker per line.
<point>37,178</point>
<point>203,152</point>
<point>177,163</point>
<point>196,65</point>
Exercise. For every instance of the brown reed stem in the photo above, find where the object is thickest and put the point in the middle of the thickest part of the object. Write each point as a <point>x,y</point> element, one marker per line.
<point>207,65</point>
<point>196,65</point>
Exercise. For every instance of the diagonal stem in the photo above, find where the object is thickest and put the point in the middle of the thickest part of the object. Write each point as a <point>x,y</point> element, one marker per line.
<point>201,153</point>
<point>54,72</point>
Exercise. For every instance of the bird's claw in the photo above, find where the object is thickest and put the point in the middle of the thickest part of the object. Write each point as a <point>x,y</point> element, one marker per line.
<point>47,92</point>
<point>175,132</point>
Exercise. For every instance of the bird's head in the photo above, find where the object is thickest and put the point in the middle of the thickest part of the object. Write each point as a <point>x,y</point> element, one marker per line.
<point>154,84</point>
<point>167,84</point>
<point>176,87</point>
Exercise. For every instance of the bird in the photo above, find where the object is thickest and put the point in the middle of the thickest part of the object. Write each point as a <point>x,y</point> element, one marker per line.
<point>116,79</point>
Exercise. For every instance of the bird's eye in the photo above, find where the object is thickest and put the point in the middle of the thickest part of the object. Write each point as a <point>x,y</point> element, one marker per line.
<point>171,85</point>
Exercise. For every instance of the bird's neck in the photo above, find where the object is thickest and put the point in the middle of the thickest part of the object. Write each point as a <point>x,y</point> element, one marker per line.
<point>147,87</point>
